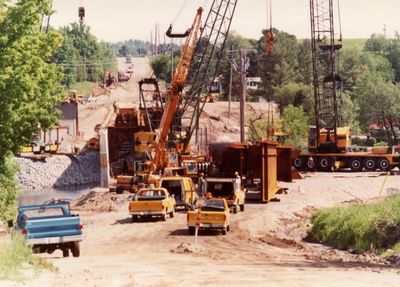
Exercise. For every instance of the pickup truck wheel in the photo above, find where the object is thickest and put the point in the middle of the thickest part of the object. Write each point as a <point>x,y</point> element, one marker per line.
<point>191,230</point>
<point>75,249</point>
<point>164,217</point>
<point>242,207</point>
<point>228,228</point>
<point>171,214</point>
<point>65,252</point>
<point>224,231</point>
<point>134,218</point>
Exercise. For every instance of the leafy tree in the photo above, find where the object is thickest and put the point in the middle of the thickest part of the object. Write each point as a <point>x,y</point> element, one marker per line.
<point>378,101</point>
<point>295,94</point>
<point>294,126</point>
<point>124,51</point>
<point>377,43</point>
<point>162,66</point>
<point>82,56</point>
<point>29,84</point>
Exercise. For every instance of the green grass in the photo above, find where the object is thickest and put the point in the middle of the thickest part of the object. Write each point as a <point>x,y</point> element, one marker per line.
<point>360,227</point>
<point>354,43</point>
<point>16,256</point>
<point>392,251</point>
<point>84,88</point>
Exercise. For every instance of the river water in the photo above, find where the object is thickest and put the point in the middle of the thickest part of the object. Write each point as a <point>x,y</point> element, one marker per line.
<point>39,196</point>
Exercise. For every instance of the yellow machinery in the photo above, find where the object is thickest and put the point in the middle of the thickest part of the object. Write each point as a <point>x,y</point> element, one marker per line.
<point>175,91</point>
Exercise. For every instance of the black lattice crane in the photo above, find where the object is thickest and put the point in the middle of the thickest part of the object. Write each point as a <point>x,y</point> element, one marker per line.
<point>209,48</point>
<point>325,49</point>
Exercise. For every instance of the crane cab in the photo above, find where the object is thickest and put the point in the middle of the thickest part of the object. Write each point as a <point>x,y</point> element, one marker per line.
<point>326,142</point>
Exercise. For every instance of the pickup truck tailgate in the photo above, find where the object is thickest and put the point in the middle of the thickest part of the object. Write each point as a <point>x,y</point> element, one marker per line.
<point>146,205</point>
<point>52,227</point>
<point>207,217</point>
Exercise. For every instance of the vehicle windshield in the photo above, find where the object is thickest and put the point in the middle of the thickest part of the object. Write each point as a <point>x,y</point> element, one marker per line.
<point>210,205</point>
<point>152,193</point>
<point>44,212</point>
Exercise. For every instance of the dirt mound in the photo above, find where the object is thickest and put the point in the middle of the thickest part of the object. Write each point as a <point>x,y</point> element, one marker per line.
<point>100,201</point>
<point>189,248</point>
<point>394,260</point>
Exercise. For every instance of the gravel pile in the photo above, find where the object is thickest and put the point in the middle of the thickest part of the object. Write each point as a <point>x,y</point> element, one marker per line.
<point>100,201</point>
<point>59,171</point>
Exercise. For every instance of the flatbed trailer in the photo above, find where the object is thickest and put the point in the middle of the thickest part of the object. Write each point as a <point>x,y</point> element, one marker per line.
<point>356,161</point>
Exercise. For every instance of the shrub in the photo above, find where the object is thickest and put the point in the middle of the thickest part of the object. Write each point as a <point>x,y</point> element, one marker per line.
<point>9,190</point>
<point>359,227</point>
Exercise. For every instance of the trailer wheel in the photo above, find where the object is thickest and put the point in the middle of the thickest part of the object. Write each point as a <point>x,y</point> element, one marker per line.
<point>300,163</point>
<point>369,164</point>
<point>191,230</point>
<point>242,207</point>
<point>75,249</point>
<point>310,163</point>
<point>224,231</point>
<point>384,164</point>
<point>324,164</point>
<point>355,164</point>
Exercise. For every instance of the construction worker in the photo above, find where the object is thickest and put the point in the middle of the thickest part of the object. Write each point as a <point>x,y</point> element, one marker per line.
<point>201,185</point>
<point>237,182</point>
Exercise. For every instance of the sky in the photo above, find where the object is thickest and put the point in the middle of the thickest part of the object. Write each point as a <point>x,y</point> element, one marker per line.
<point>119,20</point>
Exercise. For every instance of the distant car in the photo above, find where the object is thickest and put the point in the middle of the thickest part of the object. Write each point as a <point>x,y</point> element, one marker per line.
<point>129,70</point>
<point>50,226</point>
<point>128,59</point>
<point>210,213</point>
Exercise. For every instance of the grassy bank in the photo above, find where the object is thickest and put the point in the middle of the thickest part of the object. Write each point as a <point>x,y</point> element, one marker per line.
<point>16,257</point>
<point>84,88</point>
<point>359,227</point>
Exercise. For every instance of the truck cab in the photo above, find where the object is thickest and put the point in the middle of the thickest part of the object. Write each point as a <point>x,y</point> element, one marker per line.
<point>182,188</point>
<point>224,188</point>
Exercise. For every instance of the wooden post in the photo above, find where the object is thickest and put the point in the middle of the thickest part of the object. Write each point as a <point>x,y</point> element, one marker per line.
<point>243,94</point>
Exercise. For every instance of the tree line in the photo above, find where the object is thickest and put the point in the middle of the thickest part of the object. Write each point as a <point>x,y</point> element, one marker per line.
<point>82,56</point>
<point>369,93</point>
<point>36,67</point>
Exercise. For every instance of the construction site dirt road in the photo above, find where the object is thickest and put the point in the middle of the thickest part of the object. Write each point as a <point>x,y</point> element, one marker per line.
<point>264,247</point>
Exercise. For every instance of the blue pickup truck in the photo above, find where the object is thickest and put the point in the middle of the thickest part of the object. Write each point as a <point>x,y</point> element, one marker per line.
<point>50,226</point>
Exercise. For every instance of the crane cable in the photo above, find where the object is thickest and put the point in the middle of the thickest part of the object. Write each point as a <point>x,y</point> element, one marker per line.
<point>269,39</point>
<point>340,20</point>
<point>178,14</point>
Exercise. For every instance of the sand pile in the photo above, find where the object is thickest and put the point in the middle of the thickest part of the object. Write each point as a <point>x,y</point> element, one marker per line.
<point>100,201</point>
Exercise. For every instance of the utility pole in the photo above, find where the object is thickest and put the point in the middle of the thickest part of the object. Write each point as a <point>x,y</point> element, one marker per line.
<point>243,93</point>
<point>230,86</point>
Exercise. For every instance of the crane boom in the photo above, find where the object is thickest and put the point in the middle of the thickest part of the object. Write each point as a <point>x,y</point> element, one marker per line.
<point>175,92</point>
